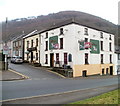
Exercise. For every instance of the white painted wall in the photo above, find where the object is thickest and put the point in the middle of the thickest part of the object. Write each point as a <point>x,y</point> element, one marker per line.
<point>71,36</point>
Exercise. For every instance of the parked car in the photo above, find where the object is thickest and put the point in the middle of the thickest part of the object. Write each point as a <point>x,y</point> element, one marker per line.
<point>16,59</point>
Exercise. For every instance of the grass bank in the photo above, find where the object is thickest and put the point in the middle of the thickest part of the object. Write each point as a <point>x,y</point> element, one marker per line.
<point>106,98</point>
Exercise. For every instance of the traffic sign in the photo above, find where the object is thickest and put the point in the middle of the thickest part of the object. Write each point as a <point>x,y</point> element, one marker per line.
<point>5,49</point>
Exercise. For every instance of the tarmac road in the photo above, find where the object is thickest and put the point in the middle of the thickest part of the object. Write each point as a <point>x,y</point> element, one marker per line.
<point>41,84</point>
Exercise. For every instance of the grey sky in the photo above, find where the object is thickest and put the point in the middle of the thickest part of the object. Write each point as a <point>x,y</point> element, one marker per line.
<point>107,9</point>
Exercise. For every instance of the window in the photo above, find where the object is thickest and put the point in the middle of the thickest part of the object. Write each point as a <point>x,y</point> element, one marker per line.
<point>101,34</point>
<point>57,58</point>
<point>46,35</point>
<point>101,58</point>
<point>16,43</point>
<point>65,58</point>
<point>46,59</point>
<point>107,71</point>
<point>61,43</point>
<point>27,57</point>
<point>31,43</point>
<point>36,56</point>
<point>19,42</point>
<point>61,31</point>
<point>110,48</point>
<point>86,58</point>
<point>101,44</point>
<point>46,46</point>
<point>36,42</point>
<point>86,39</point>
<point>110,38</point>
<point>103,71</point>
<point>118,56</point>
<point>70,57</point>
<point>110,58</point>
<point>86,31</point>
<point>27,44</point>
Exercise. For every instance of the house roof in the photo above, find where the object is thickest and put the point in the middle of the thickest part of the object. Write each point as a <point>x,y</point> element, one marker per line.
<point>64,23</point>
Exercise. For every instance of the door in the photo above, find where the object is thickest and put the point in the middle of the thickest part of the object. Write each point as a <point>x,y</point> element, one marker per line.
<point>31,56</point>
<point>84,73</point>
<point>51,60</point>
<point>111,70</point>
<point>65,58</point>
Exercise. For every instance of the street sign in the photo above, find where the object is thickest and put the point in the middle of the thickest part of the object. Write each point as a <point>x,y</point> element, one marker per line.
<point>5,49</point>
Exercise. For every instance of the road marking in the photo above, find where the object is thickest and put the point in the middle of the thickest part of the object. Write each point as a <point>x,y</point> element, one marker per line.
<point>23,76</point>
<point>30,97</point>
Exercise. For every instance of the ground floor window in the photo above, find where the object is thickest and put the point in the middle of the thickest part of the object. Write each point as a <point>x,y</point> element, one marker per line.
<point>86,58</point>
<point>57,58</point>
<point>107,71</point>
<point>46,58</point>
<point>102,71</point>
<point>65,58</point>
<point>70,57</point>
<point>27,57</point>
<point>36,56</point>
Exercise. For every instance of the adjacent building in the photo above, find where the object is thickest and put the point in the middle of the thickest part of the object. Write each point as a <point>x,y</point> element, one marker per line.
<point>32,48</point>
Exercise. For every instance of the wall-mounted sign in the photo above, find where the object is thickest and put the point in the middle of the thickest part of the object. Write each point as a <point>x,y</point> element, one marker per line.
<point>53,43</point>
<point>84,45</point>
<point>81,45</point>
<point>95,46</point>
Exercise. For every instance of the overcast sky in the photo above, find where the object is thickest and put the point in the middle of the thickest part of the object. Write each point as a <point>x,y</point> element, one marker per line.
<point>107,9</point>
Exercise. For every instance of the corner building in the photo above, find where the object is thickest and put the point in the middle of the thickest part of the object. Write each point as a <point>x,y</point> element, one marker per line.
<point>86,50</point>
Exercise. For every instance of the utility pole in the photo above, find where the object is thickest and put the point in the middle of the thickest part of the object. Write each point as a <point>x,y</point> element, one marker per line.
<point>5,47</point>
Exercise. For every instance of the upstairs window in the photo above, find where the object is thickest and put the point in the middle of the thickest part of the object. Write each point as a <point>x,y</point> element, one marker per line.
<point>36,41</point>
<point>31,43</point>
<point>101,58</point>
<point>101,34</point>
<point>20,43</point>
<point>110,37</point>
<point>46,46</point>
<point>110,58</point>
<point>61,43</point>
<point>61,31</point>
<point>85,31</point>
<point>101,45</point>
<point>46,35</point>
<point>110,46</point>
<point>27,44</point>
<point>86,39</point>
<point>118,56</point>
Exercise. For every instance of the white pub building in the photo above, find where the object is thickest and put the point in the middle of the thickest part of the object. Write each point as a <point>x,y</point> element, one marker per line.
<point>86,50</point>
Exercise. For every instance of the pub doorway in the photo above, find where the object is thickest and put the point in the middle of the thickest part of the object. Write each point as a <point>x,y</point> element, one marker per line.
<point>51,60</point>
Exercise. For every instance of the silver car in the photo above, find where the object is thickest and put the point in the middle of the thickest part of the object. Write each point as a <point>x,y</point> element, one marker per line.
<point>16,59</point>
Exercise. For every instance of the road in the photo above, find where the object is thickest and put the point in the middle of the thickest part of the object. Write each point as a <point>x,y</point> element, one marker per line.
<point>42,82</point>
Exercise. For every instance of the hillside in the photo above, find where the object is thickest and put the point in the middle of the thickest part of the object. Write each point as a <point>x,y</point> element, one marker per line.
<point>17,26</point>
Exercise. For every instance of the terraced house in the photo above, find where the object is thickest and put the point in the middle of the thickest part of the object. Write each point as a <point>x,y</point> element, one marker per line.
<point>88,51</point>
<point>32,48</point>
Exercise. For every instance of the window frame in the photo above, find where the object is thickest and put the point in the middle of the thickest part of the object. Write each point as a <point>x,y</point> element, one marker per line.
<point>61,43</point>
<point>85,31</point>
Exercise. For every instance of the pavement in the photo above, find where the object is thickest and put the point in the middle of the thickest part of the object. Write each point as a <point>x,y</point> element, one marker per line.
<point>10,75</point>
